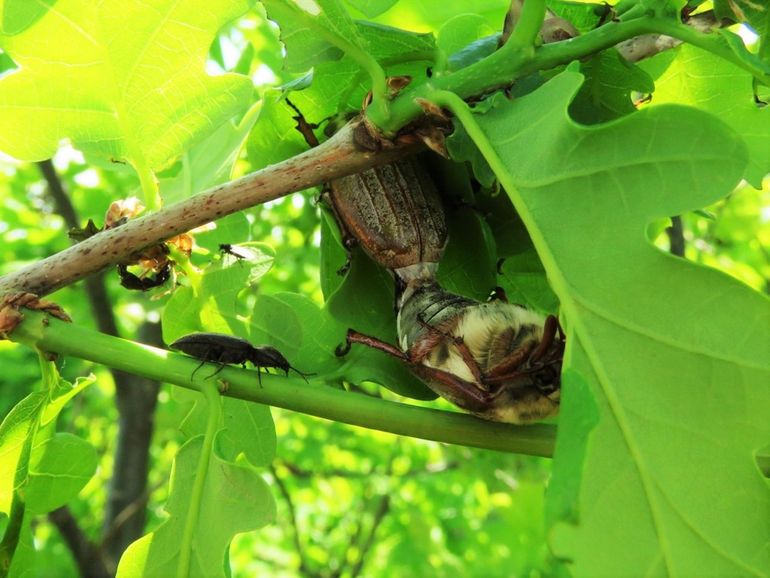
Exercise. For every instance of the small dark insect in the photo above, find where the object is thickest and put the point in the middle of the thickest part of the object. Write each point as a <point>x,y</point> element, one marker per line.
<point>227,349</point>
<point>236,251</point>
<point>136,283</point>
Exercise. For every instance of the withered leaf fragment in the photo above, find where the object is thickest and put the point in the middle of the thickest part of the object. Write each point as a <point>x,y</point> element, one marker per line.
<point>11,314</point>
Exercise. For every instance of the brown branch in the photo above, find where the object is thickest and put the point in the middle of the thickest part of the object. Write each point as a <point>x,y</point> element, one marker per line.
<point>337,157</point>
<point>379,515</point>
<point>125,512</point>
<point>648,45</point>
<point>61,199</point>
<point>135,398</point>
<point>675,234</point>
<point>302,473</point>
<point>304,569</point>
<point>87,555</point>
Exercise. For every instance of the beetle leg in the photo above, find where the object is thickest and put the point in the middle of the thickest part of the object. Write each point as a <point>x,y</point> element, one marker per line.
<point>356,337</point>
<point>462,393</point>
<point>539,358</point>
<point>417,354</point>
<point>197,368</point>
<point>549,333</point>
<point>509,364</point>
<point>220,368</point>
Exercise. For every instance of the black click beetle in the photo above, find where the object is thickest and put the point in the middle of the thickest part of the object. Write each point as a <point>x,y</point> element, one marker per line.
<point>227,349</point>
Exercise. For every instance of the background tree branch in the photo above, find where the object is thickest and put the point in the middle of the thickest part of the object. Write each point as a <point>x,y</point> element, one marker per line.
<point>135,398</point>
<point>87,555</point>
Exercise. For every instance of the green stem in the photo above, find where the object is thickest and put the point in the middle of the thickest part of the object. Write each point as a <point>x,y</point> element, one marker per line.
<point>436,57</point>
<point>527,29</point>
<point>292,393</point>
<point>149,184</point>
<point>501,68</point>
<point>211,394</point>
<point>460,109</point>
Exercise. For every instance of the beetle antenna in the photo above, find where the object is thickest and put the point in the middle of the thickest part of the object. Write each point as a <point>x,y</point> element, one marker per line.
<point>301,374</point>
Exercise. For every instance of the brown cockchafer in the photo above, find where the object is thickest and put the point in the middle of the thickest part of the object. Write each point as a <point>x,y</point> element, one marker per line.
<point>497,360</point>
<point>393,211</point>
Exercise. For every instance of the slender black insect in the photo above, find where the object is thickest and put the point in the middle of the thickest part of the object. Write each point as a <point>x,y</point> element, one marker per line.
<point>227,349</point>
<point>234,250</point>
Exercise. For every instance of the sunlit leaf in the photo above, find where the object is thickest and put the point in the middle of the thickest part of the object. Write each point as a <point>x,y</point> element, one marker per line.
<point>142,97</point>
<point>59,468</point>
<point>700,79</point>
<point>235,499</point>
<point>674,394</point>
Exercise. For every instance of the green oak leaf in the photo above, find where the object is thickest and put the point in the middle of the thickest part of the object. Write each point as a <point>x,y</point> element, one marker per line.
<point>64,456</point>
<point>299,329</point>
<point>364,301</point>
<point>742,11</point>
<point>41,469</point>
<point>18,425</point>
<point>665,399</point>
<point>583,16</point>
<point>371,8</point>
<point>520,271</point>
<point>275,136</point>
<point>523,278</point>
<point>340,86</point>
<point>305,27</point>
<point>333,254</point>
<point>209,162</point>
<point>606,92</point>
<point>462,30</point>
<point>756,14</point>
<point>431,15</point>
<point>469,262</point>
<point>211,302</point>
<point>59,468</point>
<point>246,428</point>
<point>235,499</point>
<point>698,78</point>
<point>62,393</point>
<point>123,81</point>
<point>18,15</point>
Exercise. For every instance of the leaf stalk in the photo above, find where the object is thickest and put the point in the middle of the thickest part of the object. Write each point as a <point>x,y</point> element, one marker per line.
<point>501,68</point>
<point>315,398</point>
<point>213,406</point>
<point>524,35</point>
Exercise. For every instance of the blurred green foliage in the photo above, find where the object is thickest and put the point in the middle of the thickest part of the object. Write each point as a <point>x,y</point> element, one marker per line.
<point>349,501</point>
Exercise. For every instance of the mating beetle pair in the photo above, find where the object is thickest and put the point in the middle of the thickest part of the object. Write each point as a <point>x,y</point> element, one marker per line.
<point>497,360</point>
<point>227,349</point>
